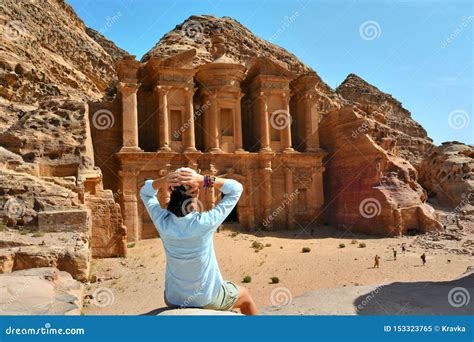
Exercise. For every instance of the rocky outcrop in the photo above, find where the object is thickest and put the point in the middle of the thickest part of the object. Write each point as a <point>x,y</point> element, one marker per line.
<point>23,196</point>
<point>113,50</point>
<point>51,64</point>
<point>448,174</point>
<point>368,187</point>
<point>40,291</point>
<point>411,139</point>
<point>47,52</point>
<point>53,136</point>
<point>67,251</point>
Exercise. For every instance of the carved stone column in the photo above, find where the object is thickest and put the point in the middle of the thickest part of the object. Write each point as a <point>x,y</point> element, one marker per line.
<point>130,205</point>
<point>250,201</point>
<point>238,125</point>
<point>286,134</point>
<point>213,123</point>
<point>189,138</point>
<point>163,137</point>
<point>264,123</point>
<point>266,200</point>
<point>129,116</point>
<point>289,189</point>
<point>311,127</point>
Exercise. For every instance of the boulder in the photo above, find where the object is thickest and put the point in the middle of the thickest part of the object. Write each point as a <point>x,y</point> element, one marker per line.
<point>40,291</point>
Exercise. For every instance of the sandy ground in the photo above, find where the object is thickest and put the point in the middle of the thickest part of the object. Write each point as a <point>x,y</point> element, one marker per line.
<point>136,283</point>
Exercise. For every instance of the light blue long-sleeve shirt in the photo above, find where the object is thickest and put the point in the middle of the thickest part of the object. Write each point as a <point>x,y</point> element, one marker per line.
<point>192,277</point>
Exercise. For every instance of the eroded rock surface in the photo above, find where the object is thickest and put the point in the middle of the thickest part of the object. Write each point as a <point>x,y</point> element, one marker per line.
<point>40,291</point>
<point>448,174</point>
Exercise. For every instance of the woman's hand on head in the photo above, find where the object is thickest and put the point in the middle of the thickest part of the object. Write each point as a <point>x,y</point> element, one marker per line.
<point>190,178</point>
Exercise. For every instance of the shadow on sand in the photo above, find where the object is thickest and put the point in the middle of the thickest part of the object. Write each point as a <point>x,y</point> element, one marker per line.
<point>420,298</point>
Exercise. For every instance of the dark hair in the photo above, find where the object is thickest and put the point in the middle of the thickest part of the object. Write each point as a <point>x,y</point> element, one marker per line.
<point>180,202</point>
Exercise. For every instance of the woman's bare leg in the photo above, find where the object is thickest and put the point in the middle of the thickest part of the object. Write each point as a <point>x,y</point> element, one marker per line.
<point>245,302</point>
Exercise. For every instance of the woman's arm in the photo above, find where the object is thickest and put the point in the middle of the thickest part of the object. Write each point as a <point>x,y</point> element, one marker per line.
<point>150,189</point>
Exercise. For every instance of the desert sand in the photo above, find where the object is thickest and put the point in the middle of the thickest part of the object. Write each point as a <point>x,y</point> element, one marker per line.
<point>137,281</point>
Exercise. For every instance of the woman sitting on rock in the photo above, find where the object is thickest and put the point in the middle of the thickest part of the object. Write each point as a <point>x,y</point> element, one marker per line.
<point>193,278</point>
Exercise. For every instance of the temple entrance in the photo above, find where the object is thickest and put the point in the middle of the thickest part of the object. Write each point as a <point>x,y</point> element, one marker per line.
<point>233,217</point>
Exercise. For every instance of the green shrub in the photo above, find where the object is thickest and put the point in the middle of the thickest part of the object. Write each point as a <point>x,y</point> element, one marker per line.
<point>306,250</point>
<point>247,279</point>
<point>362,245</point>
<point>234,234</point>
<point>353,242</point>
<point>275,280</point>
<point>131,245</point>
<point>38,234</point>
<point>342,245</point>
<point>268,245</point>
<point>257,245</point>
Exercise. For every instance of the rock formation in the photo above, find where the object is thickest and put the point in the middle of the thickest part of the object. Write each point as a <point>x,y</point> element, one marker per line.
<point>43,291</point>
<point>448,174</point>
<point>369,188</point>
<point>51,65</point>
<point>411,140</point>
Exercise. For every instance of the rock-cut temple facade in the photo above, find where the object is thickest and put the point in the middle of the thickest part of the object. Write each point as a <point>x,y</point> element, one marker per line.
<point>256,123</point>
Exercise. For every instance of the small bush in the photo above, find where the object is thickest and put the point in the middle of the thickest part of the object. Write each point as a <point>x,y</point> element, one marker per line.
<point>24,231</point>
<point>257,245</point>
<point>353,242</point>
<point>268,245</point>
<point>247,279</point>
<point>38,234</point>
<point>306,250</point>
<point>131,245</point>
<point>275,280</point>
<point>362,245</point>
<point>234,234</point>
<point>342,245</point>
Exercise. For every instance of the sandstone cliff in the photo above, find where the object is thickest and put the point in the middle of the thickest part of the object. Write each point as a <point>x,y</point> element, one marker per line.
<point>448,174</point>
<point>51,65</point>
<point>369,188</point>
<point>411,138</point>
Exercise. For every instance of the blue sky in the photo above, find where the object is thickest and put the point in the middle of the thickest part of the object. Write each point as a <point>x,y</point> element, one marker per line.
<point>421,52</point>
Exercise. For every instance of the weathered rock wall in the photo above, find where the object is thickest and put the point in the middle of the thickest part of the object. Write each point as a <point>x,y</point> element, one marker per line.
<point>368,189</point>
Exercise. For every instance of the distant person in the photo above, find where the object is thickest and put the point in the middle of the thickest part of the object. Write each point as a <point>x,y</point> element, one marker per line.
<point>377,261</point>
<point>403,248</point>
<point>193,278</point>
<point>423,258</point>
<point>394,254</point>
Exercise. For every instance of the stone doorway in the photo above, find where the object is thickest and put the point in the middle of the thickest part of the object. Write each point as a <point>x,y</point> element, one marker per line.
<point>233,217</point>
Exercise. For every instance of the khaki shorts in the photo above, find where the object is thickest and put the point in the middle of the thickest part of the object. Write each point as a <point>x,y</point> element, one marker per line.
<point>226,298</point>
